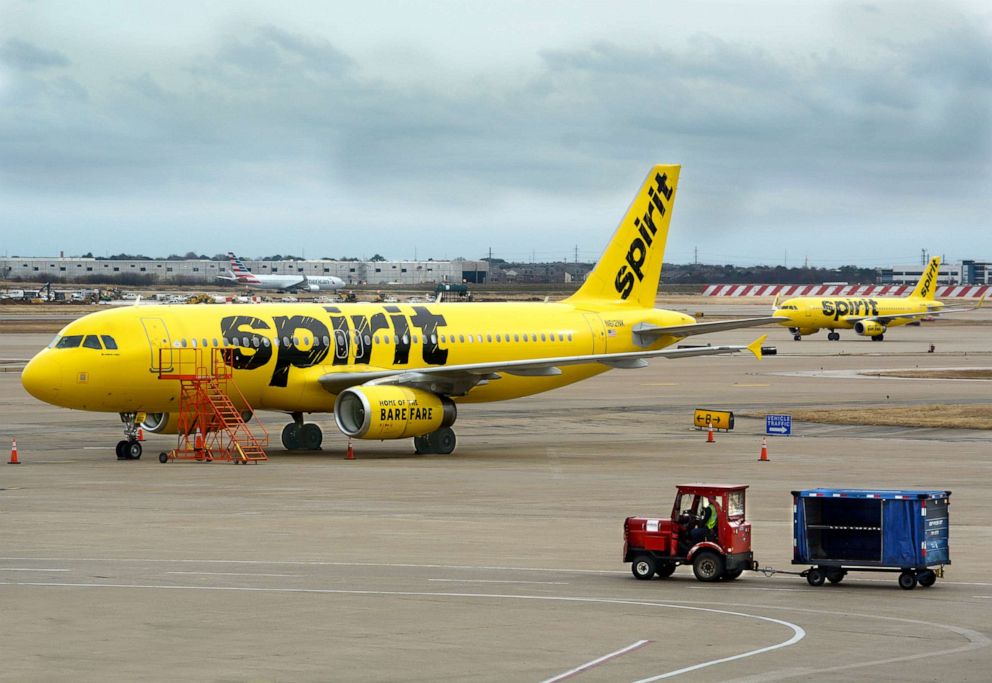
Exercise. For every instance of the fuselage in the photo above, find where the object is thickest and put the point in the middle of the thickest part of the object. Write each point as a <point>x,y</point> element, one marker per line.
<point>111,360</point>
<point>842,313</point>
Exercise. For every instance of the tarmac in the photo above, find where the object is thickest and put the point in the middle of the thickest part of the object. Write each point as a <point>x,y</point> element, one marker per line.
<point>503,560</point>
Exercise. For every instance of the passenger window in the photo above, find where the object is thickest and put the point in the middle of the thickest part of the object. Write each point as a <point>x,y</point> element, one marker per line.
<point>471,339</point>
<point>182,342</point>
<point>367,340</point>
<point>498,339</point>
<point>415,339</point>
<point>265,341</point>
<point>215,342</point>
<point>461,338</point>
<point>375,339</point>
<point>489,338</point>
<point>244,342</point>
<point>434,339</point>
<point>525,338</point>
<point>108,342</point>
<point>542,337</point>
<point>405,340</point>
<point>569,336</point>
<point>561,337</point>
<point>516,337</point>
<point>92,342</point>
<point>327,340</point>
<point>70,341</point>
<point>205,344</point>
<point>533,337</point>
<point>193,343</point>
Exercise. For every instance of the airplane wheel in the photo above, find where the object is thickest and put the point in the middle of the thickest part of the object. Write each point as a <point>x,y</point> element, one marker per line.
<point>422,445</point>
<point>291,436</point>
<point>797,337</point>
<point>134,450</point>
<point>310,437</point>
<point>444,441</point>
<point>878,337</point>
<point>121,449</point>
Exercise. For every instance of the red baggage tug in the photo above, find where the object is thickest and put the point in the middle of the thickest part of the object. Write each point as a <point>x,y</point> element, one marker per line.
<point>707,529</point>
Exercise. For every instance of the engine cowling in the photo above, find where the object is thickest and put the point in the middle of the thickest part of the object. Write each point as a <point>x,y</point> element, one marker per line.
<point>313,288</point>
<point>869,328</point>
<point>160,423</point>
<point>168,423</point>
<point>390,412</point>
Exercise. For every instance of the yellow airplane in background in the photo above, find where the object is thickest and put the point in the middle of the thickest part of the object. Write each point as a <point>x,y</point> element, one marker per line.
<point>386,371</point>
<point>867,316</point>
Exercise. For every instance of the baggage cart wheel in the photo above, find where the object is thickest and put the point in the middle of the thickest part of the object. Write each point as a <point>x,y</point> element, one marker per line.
<point>163,457</point>
<point>907,581</point>
<point>665,569</point>
<point>927,578</point>
<point>815,577</point>
<point>707,566</point>
<point>643,567</point>
<point>835,576</point>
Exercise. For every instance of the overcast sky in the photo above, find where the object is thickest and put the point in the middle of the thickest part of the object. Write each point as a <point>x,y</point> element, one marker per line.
<point>840,132</point>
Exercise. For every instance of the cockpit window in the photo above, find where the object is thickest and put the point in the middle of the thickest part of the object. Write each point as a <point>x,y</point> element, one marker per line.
<point>108,341</point>
<point>55,341</point>
<point>70,341</point>
<point>92,342</point>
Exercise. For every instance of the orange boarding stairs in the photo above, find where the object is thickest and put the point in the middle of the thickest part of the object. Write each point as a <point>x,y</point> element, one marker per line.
<point>212,415</point>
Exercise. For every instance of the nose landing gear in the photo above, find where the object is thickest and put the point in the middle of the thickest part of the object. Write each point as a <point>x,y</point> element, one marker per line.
<point>129,448</point>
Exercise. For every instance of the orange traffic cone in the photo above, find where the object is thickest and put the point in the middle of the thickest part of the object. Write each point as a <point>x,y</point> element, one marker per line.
<point>141,434</point>
<point>351,452</point>
<point>13,453</point>
<point>709,436</point>
<point>764,449</point>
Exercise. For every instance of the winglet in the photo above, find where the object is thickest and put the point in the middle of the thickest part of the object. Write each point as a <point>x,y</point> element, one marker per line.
<point>755,346</point>
<point>982,300</point>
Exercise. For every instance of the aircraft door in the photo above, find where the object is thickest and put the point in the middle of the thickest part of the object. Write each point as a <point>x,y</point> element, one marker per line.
<point>598,330</point>
<point>158,338</point>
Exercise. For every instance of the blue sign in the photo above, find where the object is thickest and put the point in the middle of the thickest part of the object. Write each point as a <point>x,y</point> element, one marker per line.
<point>779,425</point>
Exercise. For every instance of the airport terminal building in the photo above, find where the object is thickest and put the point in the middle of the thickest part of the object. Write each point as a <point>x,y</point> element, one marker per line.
<point>76,269</point>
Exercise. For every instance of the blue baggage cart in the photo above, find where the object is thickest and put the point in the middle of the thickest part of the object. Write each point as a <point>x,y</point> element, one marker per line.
<point>838,530</point>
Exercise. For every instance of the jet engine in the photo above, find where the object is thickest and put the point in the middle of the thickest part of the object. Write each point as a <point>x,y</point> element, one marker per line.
<point>160,423</point>
<point>869,328</point>
<point>168,423</point>
<point>391,412</point>
<point>313,288</point>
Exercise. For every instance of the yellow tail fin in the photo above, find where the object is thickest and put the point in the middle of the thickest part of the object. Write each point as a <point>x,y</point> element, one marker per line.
<point>630,268</point>
<point>927,286</point>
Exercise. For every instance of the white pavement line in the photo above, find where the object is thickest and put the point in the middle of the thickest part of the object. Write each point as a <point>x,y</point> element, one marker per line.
<point>228,574</point>
<point>984,597</point>
<point>798,633</point>
<point>976,641</point>
<point>539,583</point>
<point>596,662</point>
<point>32,569</point>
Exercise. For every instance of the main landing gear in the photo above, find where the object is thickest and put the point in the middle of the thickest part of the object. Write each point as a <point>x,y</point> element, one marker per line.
<point>877,337</point>
<point>297,436</point>
<point>833,336</point>
<point>129,448</point>
<point>441,442</point>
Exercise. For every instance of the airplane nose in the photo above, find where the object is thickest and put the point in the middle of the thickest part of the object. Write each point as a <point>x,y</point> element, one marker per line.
<point>42,378</point>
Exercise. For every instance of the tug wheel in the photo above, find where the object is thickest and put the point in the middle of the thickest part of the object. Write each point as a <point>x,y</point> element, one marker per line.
<point>707,566</point>
<point>643,567</point>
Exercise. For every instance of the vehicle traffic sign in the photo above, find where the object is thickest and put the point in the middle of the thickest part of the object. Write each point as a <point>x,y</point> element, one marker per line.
<point>778,425</point>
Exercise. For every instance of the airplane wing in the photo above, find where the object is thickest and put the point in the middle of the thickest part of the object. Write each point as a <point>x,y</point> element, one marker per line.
<point>652,332</point>
<point>457,380</point>
<point>887,319</point>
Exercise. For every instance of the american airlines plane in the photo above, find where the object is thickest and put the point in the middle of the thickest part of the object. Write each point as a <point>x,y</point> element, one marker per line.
<point>311,283</point>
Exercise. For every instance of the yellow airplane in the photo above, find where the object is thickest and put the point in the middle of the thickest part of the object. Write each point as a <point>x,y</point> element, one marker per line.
<point>386,371</point>
<point>867,316</point>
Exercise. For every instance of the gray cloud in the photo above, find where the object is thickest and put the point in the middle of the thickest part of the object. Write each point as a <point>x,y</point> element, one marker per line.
<point>271,112</point>
<point>27,57</point>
